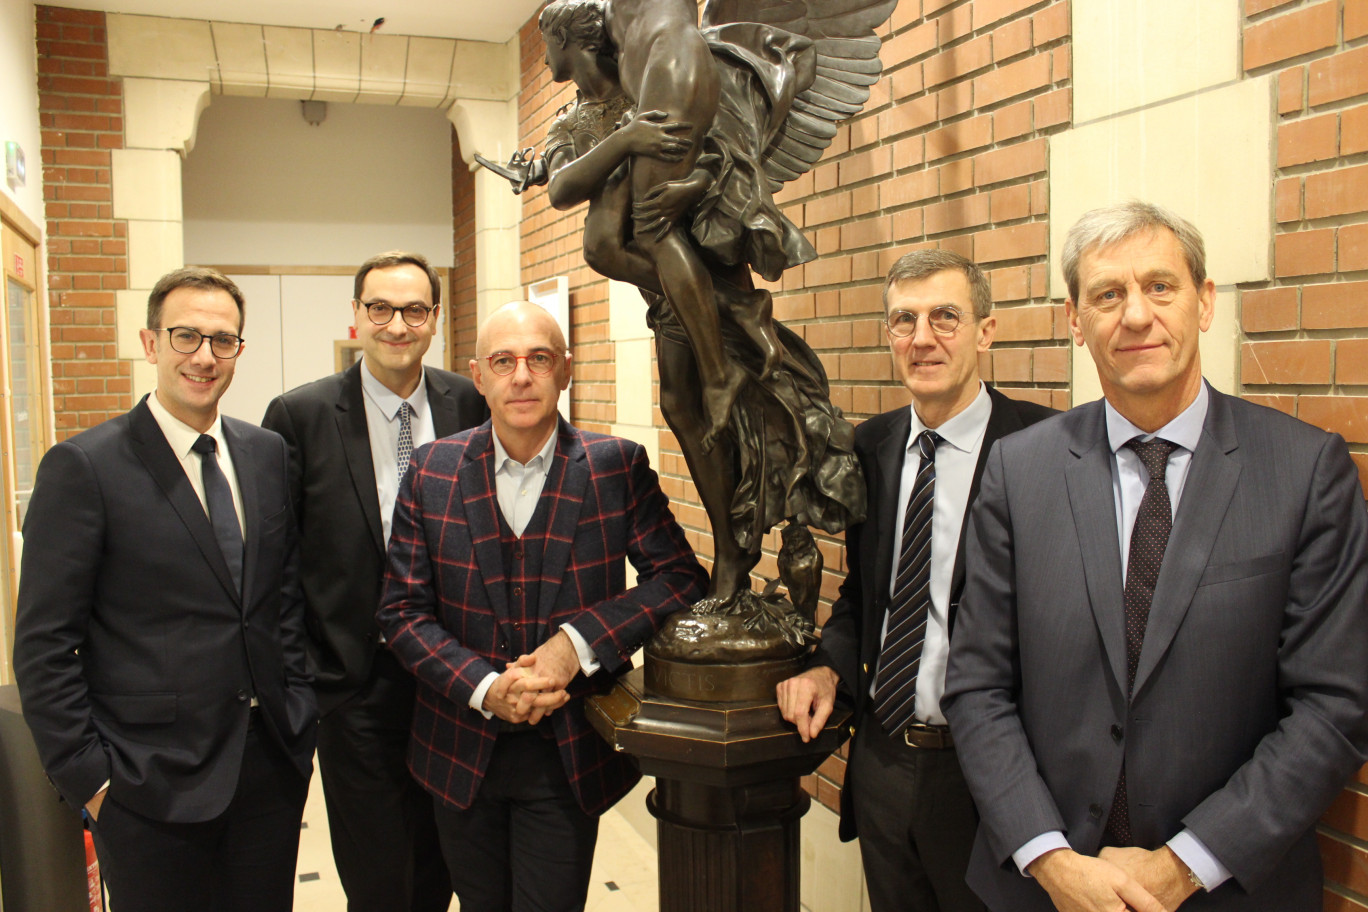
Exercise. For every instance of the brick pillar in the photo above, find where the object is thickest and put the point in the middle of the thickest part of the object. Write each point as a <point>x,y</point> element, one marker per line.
<point>81,113</point>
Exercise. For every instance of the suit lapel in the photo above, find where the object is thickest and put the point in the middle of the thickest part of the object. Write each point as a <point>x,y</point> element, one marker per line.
<point>566,483</point>
<point>1207,493</point>
<point>446,419</point>
<point>475,480</point>
<point>890,453</point>
<point>166,470</point>
<point>1089,481</point>
<point>351,427</point>
<point>245,469</point>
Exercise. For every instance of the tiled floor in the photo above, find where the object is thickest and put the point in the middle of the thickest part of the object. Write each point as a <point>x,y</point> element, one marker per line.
<point>624,878</point>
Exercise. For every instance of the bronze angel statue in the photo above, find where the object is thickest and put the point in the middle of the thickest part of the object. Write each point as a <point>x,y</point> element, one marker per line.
<point>679,135</point>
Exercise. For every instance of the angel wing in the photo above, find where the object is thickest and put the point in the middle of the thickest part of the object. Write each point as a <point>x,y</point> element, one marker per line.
<point>847,64</point>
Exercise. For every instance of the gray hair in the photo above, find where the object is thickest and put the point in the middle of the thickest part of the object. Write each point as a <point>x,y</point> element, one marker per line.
<point>920,264</point>
<point>1112,224</point>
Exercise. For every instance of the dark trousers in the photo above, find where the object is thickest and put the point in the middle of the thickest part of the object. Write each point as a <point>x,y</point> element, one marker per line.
<point>384,838</point>
<point>916,822</point>
<point>242,861</point>
<point>524,844</point>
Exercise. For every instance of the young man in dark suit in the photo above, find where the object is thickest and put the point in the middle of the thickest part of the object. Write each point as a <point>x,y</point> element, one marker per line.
<point>1158,676</point>
<point>349,437</point>
<point>506,597</point>
<point>885,644</point>
<point>159,646</point>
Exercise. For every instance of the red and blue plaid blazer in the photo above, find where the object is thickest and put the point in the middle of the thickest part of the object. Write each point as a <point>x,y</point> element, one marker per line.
<point>445,612</point>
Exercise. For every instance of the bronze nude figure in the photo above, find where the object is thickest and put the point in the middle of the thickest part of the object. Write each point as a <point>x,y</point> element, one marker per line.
<point>678,137</point>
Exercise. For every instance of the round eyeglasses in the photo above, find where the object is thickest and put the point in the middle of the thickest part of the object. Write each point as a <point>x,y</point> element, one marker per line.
<point>381,313</point>
<point>187,341</point>
<point>944,320</point>
<point>505,363</point>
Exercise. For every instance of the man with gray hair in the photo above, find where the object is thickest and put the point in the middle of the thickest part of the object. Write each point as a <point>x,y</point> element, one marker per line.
<point>885,645</point>
<point>1158,678</point>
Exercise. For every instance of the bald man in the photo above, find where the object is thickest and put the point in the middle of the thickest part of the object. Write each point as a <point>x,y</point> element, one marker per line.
<point>506,598</point>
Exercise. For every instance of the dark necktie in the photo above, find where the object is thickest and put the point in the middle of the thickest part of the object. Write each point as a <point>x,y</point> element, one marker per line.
<point>405,436</point>
<point>895,695</point>
<point>1149,538</point>
<point>222,514</point>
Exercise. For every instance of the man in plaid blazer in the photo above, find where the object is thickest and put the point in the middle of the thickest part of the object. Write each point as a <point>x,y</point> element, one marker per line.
<point>506,597</point>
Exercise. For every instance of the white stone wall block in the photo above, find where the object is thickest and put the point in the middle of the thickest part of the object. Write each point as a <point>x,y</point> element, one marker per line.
<point>146,184</point>
<point>159,48</point>
<point>163,113</point>
<point>241,51</point>
<point>289,62</point>
<point>337,65</point>
<point>384,59</point>
<point>154,249</point>
<point>626,312</point>
<point>428,73</point>
<point>633,381</point>
<point>1131,53</point>
<point>487,127</point>
<point>496,205</point>
<point>480,69</point>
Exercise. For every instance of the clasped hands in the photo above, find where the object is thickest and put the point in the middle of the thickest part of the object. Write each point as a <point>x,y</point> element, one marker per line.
<point>534,685</point>
<point>1116,880</point>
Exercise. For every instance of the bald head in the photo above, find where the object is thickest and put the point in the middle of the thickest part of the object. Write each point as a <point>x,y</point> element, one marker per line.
<point>523,317</point>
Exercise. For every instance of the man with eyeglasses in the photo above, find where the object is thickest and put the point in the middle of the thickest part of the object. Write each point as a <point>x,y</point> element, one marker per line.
<point>350,436</point>
<point>159,645</point>
<point>506,597</point>
<point>884,648</point>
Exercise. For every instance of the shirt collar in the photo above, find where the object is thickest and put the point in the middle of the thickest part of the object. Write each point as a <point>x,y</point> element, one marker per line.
<point>180,435</point>
<point>503,462</point>
<point>386,399</point>
<point>963,431</point>
<point>1184,430</point>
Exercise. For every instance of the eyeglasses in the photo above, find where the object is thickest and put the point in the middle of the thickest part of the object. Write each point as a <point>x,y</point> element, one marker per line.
<point>944,321</point>
<point>381,313</point>
<point>187,341</point>
<point>505,363</point>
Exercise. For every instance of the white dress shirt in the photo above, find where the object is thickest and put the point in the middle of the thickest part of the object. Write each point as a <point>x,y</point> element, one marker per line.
<point>956,456</point>
<point>1129,479</point>
<point>518,487</point>
<point>382,424</point>
<point>182,437</point>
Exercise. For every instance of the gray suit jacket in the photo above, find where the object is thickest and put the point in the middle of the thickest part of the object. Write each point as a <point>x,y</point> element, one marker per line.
<point>1250,703</point>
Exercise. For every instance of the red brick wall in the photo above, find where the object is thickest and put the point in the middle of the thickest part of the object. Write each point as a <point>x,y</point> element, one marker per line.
<point>1306,331</point>
<point>80,110</point>
<point>462,309</point>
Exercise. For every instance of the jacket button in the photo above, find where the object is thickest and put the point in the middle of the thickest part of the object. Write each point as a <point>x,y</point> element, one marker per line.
<point>1117,733</point>
<point>852,730</point>
<point>517,590</point>
<point>865,668</point>
<point>242,696</point>
<point>1095,811</point>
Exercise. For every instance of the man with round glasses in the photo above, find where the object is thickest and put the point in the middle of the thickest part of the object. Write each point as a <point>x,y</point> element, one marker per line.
<point>350,436</point>
<point>506,596</point>
<point>884,649</point>
<point>159,644</point>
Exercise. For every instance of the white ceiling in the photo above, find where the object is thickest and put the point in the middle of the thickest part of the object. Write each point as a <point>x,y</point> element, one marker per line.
<point>474,20</point>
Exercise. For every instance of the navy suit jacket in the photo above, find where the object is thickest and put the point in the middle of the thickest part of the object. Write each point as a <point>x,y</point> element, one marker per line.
<point>445,607</point>
<point>342,544</point>
<point>1250,704</point>
<point>135,655</point>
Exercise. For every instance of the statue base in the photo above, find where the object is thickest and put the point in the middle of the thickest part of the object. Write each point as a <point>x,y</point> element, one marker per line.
<point>728,795</point>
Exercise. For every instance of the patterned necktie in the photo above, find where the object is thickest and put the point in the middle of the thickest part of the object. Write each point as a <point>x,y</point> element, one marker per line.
<point>222,514</point>
<point>895,695</point>
<point>405,436</point>
<point>1149,538</point>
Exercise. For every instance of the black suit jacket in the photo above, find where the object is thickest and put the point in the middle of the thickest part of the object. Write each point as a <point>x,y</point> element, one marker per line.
<point>136,657</point>
<point>332,485</point>
<point>850,638</point>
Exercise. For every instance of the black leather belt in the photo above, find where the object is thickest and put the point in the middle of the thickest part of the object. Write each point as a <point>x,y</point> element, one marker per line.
<point>928,737</point>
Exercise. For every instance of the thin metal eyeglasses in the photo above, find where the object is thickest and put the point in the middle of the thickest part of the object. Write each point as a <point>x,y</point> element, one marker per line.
<point>944,320</point>
<point>505,363</point>
<point>187,341</point>
<point>381,313</point>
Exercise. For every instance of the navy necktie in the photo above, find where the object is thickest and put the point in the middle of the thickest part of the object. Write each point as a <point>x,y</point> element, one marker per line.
<point>222,514</point>
<point>900,657</point>
<point>1149,538</point>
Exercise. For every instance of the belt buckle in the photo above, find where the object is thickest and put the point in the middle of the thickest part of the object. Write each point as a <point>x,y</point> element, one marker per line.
<point>928,737</point>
